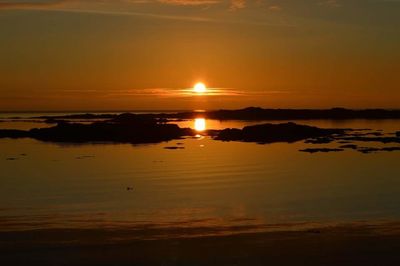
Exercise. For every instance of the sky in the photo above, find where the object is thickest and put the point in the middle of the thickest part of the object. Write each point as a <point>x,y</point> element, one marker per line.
<point>146,54</point>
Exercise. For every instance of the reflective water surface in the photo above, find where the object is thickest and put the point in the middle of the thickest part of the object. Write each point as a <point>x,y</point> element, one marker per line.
<point>208,183</point>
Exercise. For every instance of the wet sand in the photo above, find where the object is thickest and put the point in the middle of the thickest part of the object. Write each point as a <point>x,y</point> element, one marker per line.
<point>346,244</point>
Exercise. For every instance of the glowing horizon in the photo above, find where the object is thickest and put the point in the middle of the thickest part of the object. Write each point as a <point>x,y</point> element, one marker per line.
<point>102,55</point>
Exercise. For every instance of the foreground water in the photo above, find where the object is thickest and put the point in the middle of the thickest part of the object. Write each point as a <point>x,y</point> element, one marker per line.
<point>222,186</point>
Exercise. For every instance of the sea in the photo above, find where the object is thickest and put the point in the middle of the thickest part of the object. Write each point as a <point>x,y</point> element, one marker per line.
<point>204,187</point>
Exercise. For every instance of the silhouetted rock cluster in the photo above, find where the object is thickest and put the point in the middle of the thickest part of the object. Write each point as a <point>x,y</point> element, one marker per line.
<point>267,133</point>
<point>314,150</point>
<point>371,150</point>
<point>13,133</point>
<point>123,128</point>
<point>371,139</point>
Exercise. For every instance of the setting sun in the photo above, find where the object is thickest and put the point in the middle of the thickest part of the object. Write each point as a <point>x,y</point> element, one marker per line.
<point>200,124</point>
<point>199,88</point>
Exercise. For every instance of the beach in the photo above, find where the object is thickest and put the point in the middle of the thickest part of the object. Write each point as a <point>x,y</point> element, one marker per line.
<point>345,244</point>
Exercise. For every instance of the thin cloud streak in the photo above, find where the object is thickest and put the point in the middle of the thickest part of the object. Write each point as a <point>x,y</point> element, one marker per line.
<point>153,92</point>
<point>32,5</point>
<point>59,6</point>
<point>166,17</point>
<point>179,93</point>
<point>189,2</point>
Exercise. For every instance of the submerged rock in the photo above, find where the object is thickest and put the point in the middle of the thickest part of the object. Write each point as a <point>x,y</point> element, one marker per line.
<point>314,150</point>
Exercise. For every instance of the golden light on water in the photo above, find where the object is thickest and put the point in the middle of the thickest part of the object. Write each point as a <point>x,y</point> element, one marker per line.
<point>200,88</point>
<point>200,124</point>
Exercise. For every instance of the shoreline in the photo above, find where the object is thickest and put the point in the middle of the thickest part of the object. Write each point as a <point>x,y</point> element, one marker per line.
<point>362,243</point>
<point>248,113</point>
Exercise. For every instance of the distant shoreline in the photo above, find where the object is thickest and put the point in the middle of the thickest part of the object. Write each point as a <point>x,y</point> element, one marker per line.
<point>178,111</point>
<point>249,113</point>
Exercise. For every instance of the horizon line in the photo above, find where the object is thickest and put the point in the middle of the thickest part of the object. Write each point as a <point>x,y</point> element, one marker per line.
<point>190,110</point>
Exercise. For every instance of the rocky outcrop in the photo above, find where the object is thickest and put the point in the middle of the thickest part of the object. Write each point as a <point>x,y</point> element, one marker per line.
<point>125,128</point>
<point>268,133</point>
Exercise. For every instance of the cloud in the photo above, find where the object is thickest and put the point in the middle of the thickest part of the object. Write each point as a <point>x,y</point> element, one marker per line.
<point>274,8</point>
<point>237,4</point>
<point>64,6</point>
<point>189,2</point>
<point>139,93</point>
<point>30,4</point>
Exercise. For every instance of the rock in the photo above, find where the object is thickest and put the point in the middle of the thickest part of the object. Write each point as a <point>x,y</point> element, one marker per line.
<point>269,133</point>
<point>13,133</point>
<point>371,139</point>
<point>322,140</point>
<point>349,146</point>
<point>314,150</point>
<point>371,150</point>
<point>125,128</point>
<point>173,148</point>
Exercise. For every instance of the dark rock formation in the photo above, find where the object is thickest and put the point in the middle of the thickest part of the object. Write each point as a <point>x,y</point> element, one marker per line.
<point>268,133</point>
<point>53,121</point>
<point>173,148</point>
<point>370,139</point>
<point>349,146</point>
<point>371,150</point>
<point>127,128</point>
<point>13,133</point>
<point>314,150</point>
<point>321,140</point>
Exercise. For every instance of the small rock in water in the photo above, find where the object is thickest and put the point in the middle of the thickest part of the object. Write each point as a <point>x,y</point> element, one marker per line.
<point>11,159</point>
<point>173,148</point>
<point>372,150</point>
<point>322,140</point>
<point>349,146</point>
<point>310,150</point>
<point>129,188</point>
<point>84,157</point>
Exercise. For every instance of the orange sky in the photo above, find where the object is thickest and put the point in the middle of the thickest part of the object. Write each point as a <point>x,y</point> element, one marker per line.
<point>119,55</point>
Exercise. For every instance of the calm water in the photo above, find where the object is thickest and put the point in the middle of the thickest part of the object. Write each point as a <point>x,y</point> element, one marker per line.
<point>208,183</point>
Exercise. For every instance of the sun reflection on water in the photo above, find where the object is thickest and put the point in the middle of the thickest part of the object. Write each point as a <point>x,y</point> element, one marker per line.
<point>200,124</point>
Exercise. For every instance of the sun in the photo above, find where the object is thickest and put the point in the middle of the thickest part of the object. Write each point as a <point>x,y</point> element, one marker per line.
<point>200,124</point>
<point>200,88</point>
